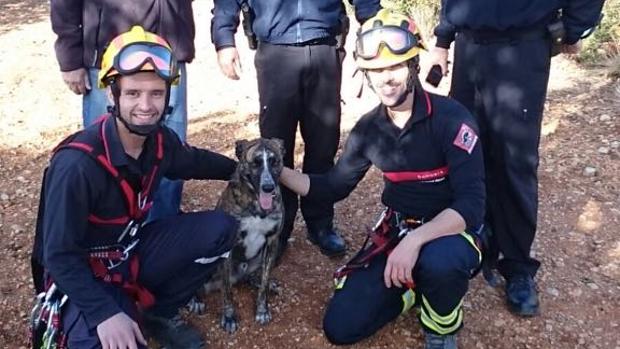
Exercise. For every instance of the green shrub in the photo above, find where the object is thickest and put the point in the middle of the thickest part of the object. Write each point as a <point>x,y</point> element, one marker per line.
<point>424,12</point>
<point>605,41</point>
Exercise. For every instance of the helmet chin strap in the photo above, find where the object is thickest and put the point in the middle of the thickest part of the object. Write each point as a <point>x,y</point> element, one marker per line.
<point>140,130</point>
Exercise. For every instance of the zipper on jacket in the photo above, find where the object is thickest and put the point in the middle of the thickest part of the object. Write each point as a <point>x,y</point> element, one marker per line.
<point>298,25</point>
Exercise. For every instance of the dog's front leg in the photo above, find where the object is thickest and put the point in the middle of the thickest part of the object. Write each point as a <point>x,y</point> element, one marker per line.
<point>228,320</point>
<point>263,315</point>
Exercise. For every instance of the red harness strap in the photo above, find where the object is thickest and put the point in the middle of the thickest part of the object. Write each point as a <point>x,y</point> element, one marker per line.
<point>137,204</point>
<point>383,239</point>
<point>131,287</point>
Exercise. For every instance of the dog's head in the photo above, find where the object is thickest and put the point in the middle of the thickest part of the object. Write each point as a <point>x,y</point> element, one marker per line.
<point>260,165</point>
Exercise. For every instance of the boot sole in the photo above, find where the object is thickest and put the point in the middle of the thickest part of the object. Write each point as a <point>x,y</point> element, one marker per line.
<point>524,311</point>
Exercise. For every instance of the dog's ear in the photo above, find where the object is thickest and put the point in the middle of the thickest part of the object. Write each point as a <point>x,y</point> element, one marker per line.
<point>240,147</point>
<point>279,144</point>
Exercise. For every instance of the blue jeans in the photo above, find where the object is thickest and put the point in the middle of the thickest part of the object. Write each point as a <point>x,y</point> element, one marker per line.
<point>168,196</point>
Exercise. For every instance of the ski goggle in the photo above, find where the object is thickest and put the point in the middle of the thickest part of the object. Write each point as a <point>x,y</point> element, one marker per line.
<point>133,58</point>
<point>396,39</point>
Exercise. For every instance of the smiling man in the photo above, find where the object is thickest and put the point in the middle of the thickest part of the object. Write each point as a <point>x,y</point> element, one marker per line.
<point>423,248</point>
<point>92,240</point>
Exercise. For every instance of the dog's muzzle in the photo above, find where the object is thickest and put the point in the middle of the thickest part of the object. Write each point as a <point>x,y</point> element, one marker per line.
<point>267,190</point>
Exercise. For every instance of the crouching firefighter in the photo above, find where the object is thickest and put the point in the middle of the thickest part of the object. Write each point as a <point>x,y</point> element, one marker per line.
<point>105,276</point>
<point>423,250</point>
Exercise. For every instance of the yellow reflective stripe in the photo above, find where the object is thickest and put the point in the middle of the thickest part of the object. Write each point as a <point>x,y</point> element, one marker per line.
<point>408,300</point>
<point>471,241</point>
<point>339,283</point>
<point>428,322</point>
<point>442,320</point>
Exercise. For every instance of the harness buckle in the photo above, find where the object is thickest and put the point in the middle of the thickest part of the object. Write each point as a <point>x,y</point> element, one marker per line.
<point>125,255</point>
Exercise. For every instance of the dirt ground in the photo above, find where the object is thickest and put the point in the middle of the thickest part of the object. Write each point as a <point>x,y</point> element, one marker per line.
<point>577,242</point>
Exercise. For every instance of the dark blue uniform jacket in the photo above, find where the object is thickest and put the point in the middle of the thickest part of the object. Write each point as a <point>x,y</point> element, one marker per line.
<point>77,186</point>
<point>433,163</point>
<point>285,21</point>
<point>500,15</point>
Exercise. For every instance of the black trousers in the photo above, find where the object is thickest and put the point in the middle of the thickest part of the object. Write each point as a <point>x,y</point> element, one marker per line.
<point>504,84</point>
<point>363,305</point>
<point>167,252</point>
<point>301,85</point>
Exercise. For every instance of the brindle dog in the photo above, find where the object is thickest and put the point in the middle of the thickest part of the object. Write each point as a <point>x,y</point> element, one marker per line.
<point>253,197</point>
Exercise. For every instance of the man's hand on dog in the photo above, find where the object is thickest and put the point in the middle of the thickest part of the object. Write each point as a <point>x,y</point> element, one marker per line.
<point>120,332</point>
<point>400,263</point>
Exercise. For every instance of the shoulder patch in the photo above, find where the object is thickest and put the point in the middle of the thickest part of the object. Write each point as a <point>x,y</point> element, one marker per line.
<point>466,139</point>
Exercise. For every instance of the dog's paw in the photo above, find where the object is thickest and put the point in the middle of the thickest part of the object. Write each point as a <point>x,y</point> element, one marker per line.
<point>196,306</point>
<point>263,316</point>
<point>230,324</point>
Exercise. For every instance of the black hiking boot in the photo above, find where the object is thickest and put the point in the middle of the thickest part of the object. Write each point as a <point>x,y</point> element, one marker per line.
<point>173,333</point>
<point>521,295</point>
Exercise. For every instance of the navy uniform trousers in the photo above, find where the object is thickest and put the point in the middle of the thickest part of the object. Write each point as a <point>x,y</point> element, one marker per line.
<point>363,304</point>
<point>301,85</point>
<point>167,252</point>
<point>502,80</point>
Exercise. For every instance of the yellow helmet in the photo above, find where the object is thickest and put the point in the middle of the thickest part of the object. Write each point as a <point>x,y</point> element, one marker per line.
<point>387,39</point>
<point>134,51</point>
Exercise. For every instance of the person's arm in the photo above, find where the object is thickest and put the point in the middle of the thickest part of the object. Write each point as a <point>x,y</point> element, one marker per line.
<point>337,183</point>
<point>444,31</point>
<point>444,35</point>
<point>580,16</point>
<point>66,18</point>
<point>69,198</point>
<point>187,162</point>
<point>296,181</point>
<point>224,25</point>
<point>365,9</point>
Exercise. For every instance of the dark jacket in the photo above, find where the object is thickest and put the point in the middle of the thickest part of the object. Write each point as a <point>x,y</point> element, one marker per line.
<point>434,162</point>
<point>500,15</point>
<point>85,27</point>
<point>77,187</point>
<point>285,21</point>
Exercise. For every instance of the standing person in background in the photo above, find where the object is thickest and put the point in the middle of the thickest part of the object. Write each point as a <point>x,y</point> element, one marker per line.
<point>299,70</point>
<point>502,58</point>
<point>84,28</point>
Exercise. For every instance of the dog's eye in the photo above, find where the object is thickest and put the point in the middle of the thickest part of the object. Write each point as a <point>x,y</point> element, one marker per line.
<point>257,162</point>
<point>273,160</point>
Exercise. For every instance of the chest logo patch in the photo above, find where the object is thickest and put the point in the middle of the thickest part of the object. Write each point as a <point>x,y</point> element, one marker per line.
<point>466,139</point>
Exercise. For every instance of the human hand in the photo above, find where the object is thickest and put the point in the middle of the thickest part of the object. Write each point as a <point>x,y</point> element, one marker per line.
<point>120,332</point>
<point>572,49</point>
<point>76,80</point>
<point>229,62</point>
<point>399,267</point>
<point>439,56</point>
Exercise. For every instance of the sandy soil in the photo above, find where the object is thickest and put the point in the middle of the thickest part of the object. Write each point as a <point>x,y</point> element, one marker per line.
<point>577,241</point>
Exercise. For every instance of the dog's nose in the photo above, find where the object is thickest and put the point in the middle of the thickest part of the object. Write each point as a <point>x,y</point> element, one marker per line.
<point>267,187</point>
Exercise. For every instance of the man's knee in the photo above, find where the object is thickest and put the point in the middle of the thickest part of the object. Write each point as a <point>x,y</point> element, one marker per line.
<point>342,325</point>
<point>222,226</point>
<point>339,331</point>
